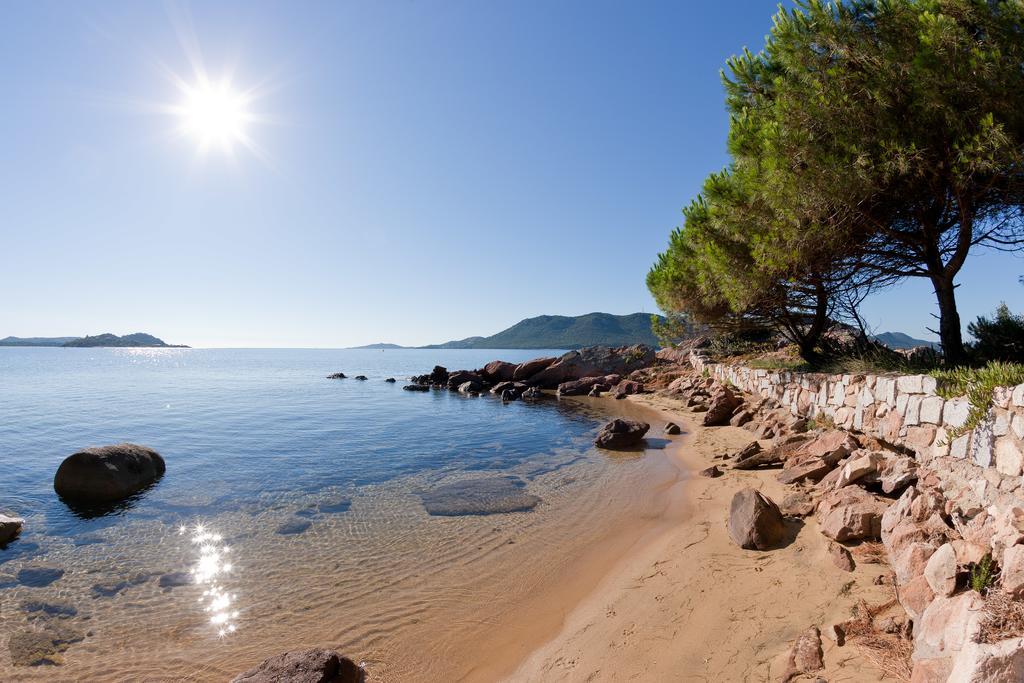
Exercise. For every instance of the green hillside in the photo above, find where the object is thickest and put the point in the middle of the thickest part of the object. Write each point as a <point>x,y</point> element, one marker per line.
<point>565,332</point>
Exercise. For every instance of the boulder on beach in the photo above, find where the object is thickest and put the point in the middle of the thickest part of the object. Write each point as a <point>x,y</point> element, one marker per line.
<point>722,404</point>
<point>9,528</point>
<point>621,434</point>
<point>673,429</point>
<point>489,496</point>
<point>755,521</point>
<point>304,666</point>
<point>107,473</point>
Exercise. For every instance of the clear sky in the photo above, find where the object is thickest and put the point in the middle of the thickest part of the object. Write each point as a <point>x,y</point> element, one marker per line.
<point>423,171</point>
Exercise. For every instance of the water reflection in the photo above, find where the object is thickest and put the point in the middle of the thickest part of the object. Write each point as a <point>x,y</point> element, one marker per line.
<point>212,568</point>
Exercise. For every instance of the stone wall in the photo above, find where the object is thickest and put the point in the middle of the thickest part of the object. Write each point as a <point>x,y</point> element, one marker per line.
<point>981,468</point>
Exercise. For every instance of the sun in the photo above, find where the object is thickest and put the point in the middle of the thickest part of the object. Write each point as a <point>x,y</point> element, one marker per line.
<point>215,115</point>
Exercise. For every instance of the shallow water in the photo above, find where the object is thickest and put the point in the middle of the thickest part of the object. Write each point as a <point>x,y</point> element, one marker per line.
<point>291,511</point>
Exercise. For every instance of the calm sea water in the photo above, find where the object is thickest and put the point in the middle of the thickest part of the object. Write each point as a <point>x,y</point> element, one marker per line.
<point>257,439</point>
<point>234,424</point>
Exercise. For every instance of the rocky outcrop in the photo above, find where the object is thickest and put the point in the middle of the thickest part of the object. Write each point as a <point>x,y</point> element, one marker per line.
<point>498,371</point>
<point>755,521</point>
<point>530,368</point>
<point>304,666</point>
<point>593,361</point>
<point>107,473</point>
<point>9,528</point>
<point>621,434</point>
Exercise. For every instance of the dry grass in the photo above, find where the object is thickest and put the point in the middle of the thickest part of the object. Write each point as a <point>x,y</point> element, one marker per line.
<point>888,652</point>
<point>870,552</point>
<point>1004,617</point>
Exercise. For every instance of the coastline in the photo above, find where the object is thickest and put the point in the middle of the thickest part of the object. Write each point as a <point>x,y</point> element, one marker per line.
<point>687,604</point>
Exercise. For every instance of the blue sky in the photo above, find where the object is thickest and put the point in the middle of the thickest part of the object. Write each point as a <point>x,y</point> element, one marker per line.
<point>429,170</point>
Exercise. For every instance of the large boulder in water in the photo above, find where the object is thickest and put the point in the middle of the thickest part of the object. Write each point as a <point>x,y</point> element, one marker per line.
<point>620,434</point>
<point>106,474</point>
<point>498,371</point>
<point>755,521</point>
<point>594,361</point>
<point>304,666</point>
<point>528,369</point>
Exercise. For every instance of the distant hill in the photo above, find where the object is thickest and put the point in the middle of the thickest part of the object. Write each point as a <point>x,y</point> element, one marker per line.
<point>379,345</point>
<point>898,340</point>
<point>138,339</point>
<point>35,341</point>
<point>565,332</point>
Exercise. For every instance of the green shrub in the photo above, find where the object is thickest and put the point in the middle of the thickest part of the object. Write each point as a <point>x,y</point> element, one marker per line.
<point>998,338</point>
<point>983,575</point>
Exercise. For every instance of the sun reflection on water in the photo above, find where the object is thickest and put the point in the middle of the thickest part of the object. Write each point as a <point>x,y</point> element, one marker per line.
<point>210,570</point>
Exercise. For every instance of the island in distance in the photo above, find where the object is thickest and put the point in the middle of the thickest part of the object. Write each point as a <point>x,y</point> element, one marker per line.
<point>138,339</point>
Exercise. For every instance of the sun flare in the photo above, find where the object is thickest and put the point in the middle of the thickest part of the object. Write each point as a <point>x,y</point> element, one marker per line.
<point>215,115</point>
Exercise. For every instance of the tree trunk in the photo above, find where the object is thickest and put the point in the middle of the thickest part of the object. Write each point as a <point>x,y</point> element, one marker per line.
<point>808,341</point>
<point>950,335</point>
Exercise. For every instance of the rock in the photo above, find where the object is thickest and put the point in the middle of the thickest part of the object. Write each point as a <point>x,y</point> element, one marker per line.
<point>38,577</point>
<point>896,473</point>
<point>107,473</point>
<point>509,395</point>
<point>850,514</point>
<point>304,666</point>
<point>989,663</point>
<point>915,597</point>
<point>458,378</point>
<point>58,610</point>
<point>832,446</point>
<point>621,433</point>
<point>673,429</point>
<point>490,496</point>
<point>755,521</point>
<point>499,371</point>
<point>840,557</point>
<point>516,388</point>
<point>798,504</point>
<point>439,375</point>
<point>711,472</point>
<point>940,571</point>
<point>416,387</point>
<point>175,580</point>
<point>859,466</point>
<point>627,388</point>
<point>525,371</point>
<point>947,625</point>
<point>747,451</point>
<point>595,391</point>
<point>471,387</point>
<point>594,361</point>
<point>721,407</point>
<point>806,656</point>
<point>533,393</point>
<point>759,459</point>
<point>813,469</point>
<point>836,633</point>
<point>390,380</point>
<point>741,418</point>
<point>1012,574</point>
<point>336,375</point>
<point>9,528</point>
<point>361,378</point>
<point>35,648</point>
<point>580,387</point>
<point>293,526</point>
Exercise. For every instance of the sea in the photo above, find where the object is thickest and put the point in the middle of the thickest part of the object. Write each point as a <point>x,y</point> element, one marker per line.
<point>292,513</point>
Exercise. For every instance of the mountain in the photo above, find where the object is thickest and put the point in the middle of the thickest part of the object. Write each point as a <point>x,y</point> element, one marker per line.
<point>898,340</point>
<point>138,339</point>
<point>36,341</point>
<point>565,332</point>
<point>379,345</point>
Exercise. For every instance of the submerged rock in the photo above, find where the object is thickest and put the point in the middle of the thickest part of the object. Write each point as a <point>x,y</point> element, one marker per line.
<point>416,387</point>
<point>390,380</point>
<point>35,648</point>
<point>336,505</point>
<point>59,610</point>
<point>294,526</point>
<point>336,375</point>
<point>107,473</point>
<point>493,495</point>
<point>38,577</point>
<point>175,580</point>
<point>361,378</point>
<point>621,434</point>
<point>304,666</point>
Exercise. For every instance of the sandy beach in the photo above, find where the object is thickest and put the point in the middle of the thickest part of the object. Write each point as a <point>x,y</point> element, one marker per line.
<point>684,603</point>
